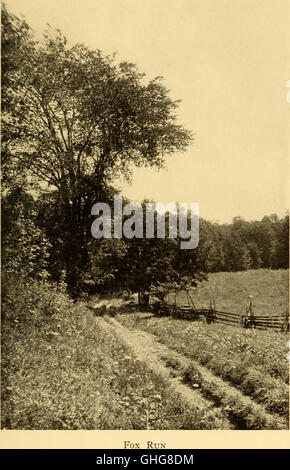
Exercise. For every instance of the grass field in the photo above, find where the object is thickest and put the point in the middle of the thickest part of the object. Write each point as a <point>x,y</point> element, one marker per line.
<point>64,368</point>
<point>231,291</point>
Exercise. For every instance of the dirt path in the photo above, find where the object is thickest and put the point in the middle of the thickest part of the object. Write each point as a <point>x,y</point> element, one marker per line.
<point>155,355</point>
<point>172,366</point>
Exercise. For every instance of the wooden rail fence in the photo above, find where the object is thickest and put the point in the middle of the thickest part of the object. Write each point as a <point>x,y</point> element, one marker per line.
<point>247,320</point>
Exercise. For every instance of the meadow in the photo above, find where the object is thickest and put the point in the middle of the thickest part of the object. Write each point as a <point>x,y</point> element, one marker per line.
<point>231,291</point>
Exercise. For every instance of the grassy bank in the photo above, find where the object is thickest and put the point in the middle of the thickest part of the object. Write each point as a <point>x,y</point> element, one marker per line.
<point>67,369</point>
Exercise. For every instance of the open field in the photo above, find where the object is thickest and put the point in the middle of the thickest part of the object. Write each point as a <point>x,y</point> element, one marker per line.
<point>231,291</point>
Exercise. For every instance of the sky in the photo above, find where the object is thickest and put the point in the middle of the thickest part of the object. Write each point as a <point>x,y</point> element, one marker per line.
<point>228,61</point>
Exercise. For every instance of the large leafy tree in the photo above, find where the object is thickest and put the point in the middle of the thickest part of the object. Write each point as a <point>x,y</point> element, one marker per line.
<point>70,111</point>
<point>151,262</point>
<point>75,119</point>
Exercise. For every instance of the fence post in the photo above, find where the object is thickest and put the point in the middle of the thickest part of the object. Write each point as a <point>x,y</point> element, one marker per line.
<point>210,316</point>
<point>286,325</point>
<point>175,304</point>
<point>249,319</point>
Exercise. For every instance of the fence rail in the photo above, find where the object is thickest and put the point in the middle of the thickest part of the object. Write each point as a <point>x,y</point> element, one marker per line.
<point>247,320</point>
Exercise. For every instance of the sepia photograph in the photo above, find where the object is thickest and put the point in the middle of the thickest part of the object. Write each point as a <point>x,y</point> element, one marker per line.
<point>145,215</point>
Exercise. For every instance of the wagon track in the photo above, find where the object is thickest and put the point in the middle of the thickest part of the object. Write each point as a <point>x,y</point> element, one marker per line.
<point>172,366</point>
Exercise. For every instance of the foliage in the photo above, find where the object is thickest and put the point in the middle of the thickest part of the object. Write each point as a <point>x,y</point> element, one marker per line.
<point>25,248</point>
<point>75,120</point>
<point>33,301</point>
<point>243,245</point>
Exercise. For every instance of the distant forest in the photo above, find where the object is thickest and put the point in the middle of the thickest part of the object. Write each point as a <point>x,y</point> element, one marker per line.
<point>35,241</point>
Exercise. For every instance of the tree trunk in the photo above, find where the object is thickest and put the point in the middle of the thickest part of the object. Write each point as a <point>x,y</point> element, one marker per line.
<point>144,299</point>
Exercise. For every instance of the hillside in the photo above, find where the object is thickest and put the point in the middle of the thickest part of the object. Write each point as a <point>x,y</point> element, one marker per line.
<point>231,291</point>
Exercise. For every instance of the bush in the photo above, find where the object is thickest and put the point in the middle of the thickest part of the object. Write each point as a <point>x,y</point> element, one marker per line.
<point>33,300</point>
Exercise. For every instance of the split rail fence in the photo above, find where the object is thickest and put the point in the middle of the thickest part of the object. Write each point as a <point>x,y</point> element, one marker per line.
<point>247,320</point>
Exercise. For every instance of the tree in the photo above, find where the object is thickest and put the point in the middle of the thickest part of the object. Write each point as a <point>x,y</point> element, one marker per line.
<point>283,243</point>
<point>76,120</point>
<point>210,253</point>
<point>25,248</point>
<point>150,262</point>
